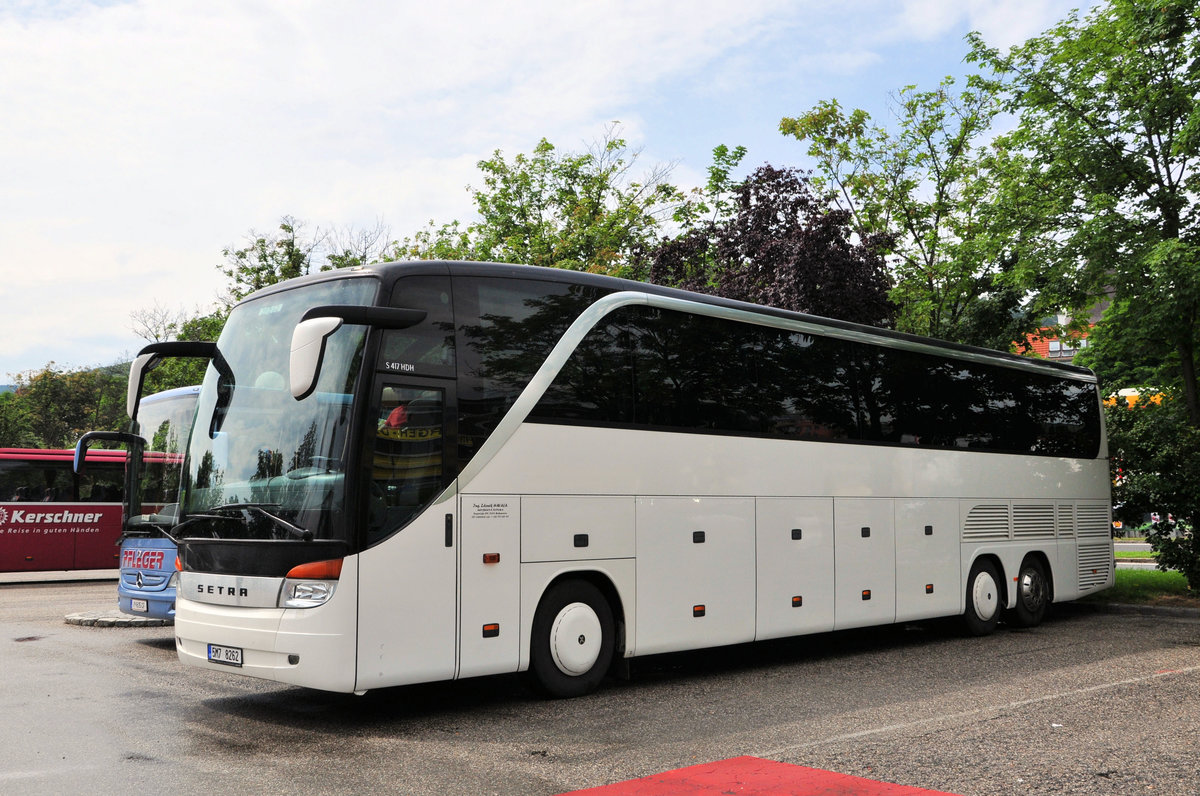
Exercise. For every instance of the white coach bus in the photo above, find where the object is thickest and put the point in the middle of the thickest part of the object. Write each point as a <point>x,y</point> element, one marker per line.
<point>426,471</point>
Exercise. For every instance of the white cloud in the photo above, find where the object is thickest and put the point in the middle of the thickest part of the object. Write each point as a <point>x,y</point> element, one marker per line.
<point>140,137</point>
<point>1002,23</point>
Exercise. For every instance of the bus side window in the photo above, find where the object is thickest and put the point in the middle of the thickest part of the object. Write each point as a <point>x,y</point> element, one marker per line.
<point>101,487</point>
<point>426,349</point>
<point>407,465</point>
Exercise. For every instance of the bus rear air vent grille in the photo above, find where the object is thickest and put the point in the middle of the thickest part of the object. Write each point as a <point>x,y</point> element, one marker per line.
<point>1033,522</point>
<point>1066,520</point>
<point>1095,563</point>
<point>1094,522</point>
<point>987,522</point>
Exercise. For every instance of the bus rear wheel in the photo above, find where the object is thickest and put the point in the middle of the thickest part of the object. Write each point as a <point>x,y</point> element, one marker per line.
<point>983,599</point>
<point>1033,595</point>
<point>572,644</point>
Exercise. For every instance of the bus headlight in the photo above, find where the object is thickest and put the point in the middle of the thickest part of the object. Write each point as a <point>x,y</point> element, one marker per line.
<point>173,581</point>
<point>306,593</point>
<point>309,585</point>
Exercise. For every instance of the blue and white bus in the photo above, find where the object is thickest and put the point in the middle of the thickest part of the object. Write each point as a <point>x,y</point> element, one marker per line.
<point>148,576</point>
<point>426,471</point>
<point>156,439</point>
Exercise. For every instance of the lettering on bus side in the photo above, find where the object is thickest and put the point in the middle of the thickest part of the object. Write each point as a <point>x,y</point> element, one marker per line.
<point>399,367</point>
<point>20,517</point>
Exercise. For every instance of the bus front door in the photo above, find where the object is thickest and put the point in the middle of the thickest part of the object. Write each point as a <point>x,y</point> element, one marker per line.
<point>407,608</point>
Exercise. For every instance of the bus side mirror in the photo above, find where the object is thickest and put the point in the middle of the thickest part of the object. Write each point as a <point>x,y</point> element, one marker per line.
<point>308,349</point>
<point>318,323</point>
<point>151,357</point>
<point>85,442</point>
<point>137,377</point>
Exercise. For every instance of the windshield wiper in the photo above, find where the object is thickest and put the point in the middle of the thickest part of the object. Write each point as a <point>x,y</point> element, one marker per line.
<point>193,520</point>
<point>261,510</point>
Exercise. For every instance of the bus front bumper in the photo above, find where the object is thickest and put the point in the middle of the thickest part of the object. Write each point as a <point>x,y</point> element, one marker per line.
<point>311,647</point>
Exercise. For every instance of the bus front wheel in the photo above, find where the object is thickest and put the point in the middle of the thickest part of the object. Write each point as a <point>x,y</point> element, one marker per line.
<point>983,599</point>
<point>572,644</point>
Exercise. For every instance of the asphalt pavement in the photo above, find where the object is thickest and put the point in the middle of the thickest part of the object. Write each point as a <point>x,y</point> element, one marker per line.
<point>1094,701</point>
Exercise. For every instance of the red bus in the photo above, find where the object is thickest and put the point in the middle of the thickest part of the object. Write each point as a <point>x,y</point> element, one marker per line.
<point>53,519</point>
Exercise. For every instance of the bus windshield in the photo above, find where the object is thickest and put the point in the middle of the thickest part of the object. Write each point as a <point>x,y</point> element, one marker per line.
<point>260,464</point>
<point>164,421</point>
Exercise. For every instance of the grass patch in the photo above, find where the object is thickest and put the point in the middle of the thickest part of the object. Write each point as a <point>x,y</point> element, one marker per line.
<point>1147,587</point>
<point>1134,554</point>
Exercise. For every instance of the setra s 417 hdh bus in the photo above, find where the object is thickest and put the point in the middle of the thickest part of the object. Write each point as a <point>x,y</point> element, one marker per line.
<point>425,471</point>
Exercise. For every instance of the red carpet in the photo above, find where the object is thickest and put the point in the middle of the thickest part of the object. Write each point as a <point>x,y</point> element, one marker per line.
<point>753,776</point>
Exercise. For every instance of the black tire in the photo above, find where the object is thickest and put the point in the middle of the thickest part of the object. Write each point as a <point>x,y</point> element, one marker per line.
<point>1033,595</point>
<point>984,599</point>
<point>566,658</point>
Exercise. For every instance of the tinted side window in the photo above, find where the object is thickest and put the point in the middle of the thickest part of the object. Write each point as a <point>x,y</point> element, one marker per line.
<point>506,328</point>
<point>37,481</point>
<point>811,385</point>
<point>654,368</point>
<point>101,485</point>
<point>696,372</point>
<point>649,368</point>
<point>598,383</point>
<point>426,349</point>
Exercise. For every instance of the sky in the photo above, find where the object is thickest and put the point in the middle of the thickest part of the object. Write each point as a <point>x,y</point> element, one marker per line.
<point>139,139</point>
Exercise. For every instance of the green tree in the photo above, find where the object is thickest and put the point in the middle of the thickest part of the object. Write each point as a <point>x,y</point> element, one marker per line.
<point>1103,176</point>
<point>267,259</point>
<point>59,405</point>
<point>1157,470</point>
<point>926,188</point>
<point>773,239</point>
<point>449,241</point>
<point>582,211</point>
<point>15,426</point>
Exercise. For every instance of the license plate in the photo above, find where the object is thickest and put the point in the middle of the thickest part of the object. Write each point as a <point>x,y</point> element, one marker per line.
<point>141,606</point>
<point>230,656</point>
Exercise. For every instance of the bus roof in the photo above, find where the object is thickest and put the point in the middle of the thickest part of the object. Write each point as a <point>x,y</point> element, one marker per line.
<point>387,273</point>
<point>167,395</point>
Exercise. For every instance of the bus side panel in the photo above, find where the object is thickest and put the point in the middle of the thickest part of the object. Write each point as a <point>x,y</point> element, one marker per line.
<point>865,562</point>
<point>35,537</point>
<point>927,566</point>
<point>696,580</point>
<point>96,541</point>
<point>408,603</point>
<point>576,527</point>
<point>795,566</point>
<point>491,582</point>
